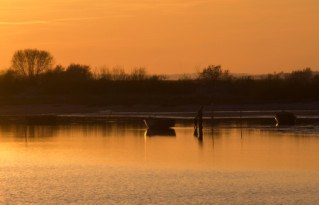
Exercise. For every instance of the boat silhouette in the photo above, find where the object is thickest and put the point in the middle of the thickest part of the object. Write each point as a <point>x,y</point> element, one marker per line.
<point>285,118</point>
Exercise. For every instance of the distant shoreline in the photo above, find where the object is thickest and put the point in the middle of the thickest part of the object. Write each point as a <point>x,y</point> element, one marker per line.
<point>66,109</point>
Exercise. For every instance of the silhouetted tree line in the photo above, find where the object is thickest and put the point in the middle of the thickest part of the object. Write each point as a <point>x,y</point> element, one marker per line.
<point>32,79</point>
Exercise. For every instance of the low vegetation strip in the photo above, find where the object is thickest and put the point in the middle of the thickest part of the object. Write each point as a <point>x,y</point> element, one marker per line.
<point>78,84</point>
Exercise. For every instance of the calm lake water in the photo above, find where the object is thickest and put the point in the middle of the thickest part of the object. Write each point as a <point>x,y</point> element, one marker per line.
<point>115,162</point>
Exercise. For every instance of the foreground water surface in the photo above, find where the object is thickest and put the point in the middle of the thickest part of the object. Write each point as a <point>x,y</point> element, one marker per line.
<point>116,162</point>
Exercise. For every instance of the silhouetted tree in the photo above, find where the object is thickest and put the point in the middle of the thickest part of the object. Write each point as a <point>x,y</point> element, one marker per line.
<point>213,73</point>
<point>118,73</point>
<point>8,78</point>
<point>157,77</point>
<point>78,72</point>
<point>138,74</point>
<point>275,76</point>
<point>78,84</point>
<point>304,75</point>
<point>31,62</point>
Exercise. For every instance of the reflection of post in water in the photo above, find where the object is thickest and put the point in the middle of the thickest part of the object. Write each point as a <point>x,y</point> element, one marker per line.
<point>29,133</point>
<point>195,126</point>
<point>212,126</point>
<point>198,124</point>
<point>213,138</point>
<point>200,133</point>
<point>241,125</point>
<point>26,135</point>
<point>145,150</point>
<point>241,129</point>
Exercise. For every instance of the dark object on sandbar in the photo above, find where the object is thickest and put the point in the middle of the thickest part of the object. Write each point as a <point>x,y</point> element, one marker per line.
<point>159,123</point>
<point>160,132</point>
<point>285,118</point>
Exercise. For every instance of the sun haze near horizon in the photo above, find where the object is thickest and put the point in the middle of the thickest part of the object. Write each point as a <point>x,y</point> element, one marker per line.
<point>166,36</point>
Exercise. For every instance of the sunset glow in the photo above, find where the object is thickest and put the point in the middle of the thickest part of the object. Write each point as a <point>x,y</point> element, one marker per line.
<point>166,36</point>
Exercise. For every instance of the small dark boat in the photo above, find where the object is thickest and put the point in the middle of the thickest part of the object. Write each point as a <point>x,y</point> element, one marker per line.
<point>159,123</point>
<point>160,132</point>
<point>285,118</point>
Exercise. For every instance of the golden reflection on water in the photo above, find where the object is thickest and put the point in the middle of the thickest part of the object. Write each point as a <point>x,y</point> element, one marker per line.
<point>127,145</point>
<point>114,163</point>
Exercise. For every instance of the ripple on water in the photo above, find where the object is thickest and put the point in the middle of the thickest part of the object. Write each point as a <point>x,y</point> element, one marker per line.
<point>127,185</point>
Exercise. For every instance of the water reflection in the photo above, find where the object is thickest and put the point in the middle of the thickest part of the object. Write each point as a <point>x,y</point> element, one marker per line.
<point>52,130</point>
<point>218,146</point>
<point>28,133</point>
<point>114,161</point>
<point>160,132</point>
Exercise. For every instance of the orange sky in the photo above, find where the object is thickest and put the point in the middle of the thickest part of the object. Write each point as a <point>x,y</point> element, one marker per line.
<point>166,36</point>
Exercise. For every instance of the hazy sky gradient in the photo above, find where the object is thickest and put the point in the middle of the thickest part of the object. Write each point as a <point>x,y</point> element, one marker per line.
<point>166,36</point>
